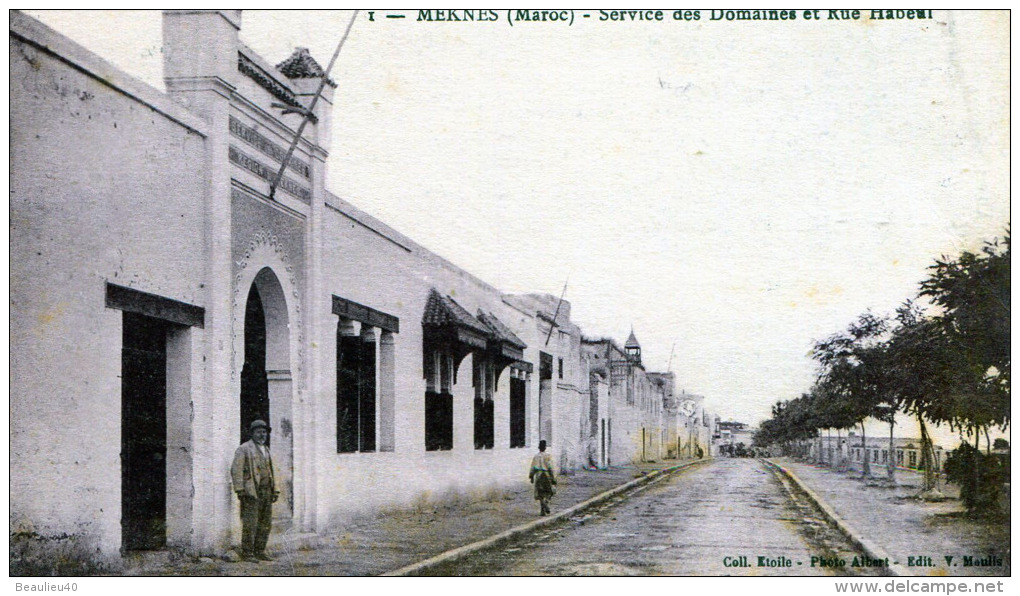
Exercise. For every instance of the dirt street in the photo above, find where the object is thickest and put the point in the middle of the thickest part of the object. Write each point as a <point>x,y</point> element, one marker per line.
<point>729,517</point>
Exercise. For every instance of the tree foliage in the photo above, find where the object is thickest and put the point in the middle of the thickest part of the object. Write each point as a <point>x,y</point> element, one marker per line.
<point>947,365</point>
<point>973,292</point>
<point>979,477</point>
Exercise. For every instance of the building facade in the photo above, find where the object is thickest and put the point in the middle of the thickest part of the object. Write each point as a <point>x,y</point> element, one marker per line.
<point>635,420</point>
<point>733,438</point>
<point>852,450</point>
<point>693,427</point>
<point>163,296</point>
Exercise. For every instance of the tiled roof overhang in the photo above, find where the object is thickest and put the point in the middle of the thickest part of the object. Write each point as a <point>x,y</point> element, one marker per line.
<point>447,322</point>
<point>444,319</point>
<point>502,341</point>
<point>301,65</point>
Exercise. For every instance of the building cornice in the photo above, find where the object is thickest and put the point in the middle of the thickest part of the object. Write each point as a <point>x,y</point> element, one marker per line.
<point>41,37</point>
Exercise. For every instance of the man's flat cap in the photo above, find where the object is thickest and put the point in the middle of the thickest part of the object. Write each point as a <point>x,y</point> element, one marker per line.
<point>259,424</point>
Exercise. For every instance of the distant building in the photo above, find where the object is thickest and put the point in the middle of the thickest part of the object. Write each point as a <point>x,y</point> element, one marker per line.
<point>730,434</point>
<point>632,423</point>
<point>906,452</point>
<point>693,429</point>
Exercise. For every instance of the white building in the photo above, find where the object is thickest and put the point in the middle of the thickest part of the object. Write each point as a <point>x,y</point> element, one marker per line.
<point>162,298</point>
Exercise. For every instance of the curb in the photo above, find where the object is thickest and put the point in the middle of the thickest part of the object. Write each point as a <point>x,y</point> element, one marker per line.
<point>871,549</point>
<point>463,551</point>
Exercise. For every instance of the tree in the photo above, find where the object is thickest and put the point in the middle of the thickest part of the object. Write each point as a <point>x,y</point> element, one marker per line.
<point>966,348</point>
<point>973,334</point>
<point>920,370</point>
<point>832,411</point>
<point>852,370</point>
<point>979,476</point>
<point>951,366</point>
<point>789,427</point>
<point>973,292</point>
<point>935,380</point>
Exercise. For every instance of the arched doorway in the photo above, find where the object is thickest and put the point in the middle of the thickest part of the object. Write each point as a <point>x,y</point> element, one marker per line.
<point>266,380</point>
<point>254,383</point>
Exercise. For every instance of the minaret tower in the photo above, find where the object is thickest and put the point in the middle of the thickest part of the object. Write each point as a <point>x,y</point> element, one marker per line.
<point>633,348</point>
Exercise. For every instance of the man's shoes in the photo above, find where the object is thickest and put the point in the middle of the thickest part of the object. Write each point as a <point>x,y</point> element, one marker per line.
<point>264,557</point>
<point>249,558</point>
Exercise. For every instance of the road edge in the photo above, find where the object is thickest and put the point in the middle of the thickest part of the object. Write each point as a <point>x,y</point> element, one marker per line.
<point>870,548</point>
<point>463,551</point>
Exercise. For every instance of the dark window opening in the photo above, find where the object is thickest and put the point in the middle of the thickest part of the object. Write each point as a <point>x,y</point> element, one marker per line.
<point>517,412</point>
<point>560,367</point>
<point>438,421</point>
<point>355,390</point>
<point>143,432</point>
<point>438,401</point>
<point>347,393</point>
<point>366,393</point>
<point>545,366</point>
<point>483,377</point>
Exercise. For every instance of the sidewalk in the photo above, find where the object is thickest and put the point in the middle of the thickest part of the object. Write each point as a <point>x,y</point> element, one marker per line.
<point>906,527</point>
<point>397,538</point>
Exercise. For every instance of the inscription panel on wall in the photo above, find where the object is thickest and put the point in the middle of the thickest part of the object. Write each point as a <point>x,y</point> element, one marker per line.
<point>267,147</point>
<point>250,164</point>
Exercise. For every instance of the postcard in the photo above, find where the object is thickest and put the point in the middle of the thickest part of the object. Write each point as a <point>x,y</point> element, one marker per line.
<point>473,292</point>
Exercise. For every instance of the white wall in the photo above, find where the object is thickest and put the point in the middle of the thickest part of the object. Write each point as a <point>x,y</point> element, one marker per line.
<point>106,186</point>
<point>381,269</point>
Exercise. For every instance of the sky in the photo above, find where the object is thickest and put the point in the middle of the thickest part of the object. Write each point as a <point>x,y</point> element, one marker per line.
<point>734,191</point>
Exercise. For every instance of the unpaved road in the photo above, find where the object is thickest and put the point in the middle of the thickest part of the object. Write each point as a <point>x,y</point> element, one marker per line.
<point>714,519</point>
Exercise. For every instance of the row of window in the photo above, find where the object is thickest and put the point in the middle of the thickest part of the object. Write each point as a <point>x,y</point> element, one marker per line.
<point>911,456</point>
<point>364,381</point>
<point>440,367</point>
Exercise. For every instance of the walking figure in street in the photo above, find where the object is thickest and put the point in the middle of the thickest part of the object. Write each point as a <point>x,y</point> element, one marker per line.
<point>542,476</point>
<point>255,485</point>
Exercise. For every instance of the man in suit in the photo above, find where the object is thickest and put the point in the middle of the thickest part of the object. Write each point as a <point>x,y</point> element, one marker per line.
<point>255,485</point>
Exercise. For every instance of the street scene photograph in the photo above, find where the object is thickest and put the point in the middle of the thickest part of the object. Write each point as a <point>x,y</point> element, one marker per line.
<point>510,293</point>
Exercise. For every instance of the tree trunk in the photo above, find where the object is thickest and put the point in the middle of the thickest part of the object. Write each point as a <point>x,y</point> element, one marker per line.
<point>988,442</point>
<point>975,469</point>
<point>930,480</point>
<point>891,468</point>
<point>839,449</point>
<point>866,466</point>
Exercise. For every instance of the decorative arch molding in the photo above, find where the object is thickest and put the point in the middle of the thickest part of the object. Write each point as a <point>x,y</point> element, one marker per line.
<point>266,251</point>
